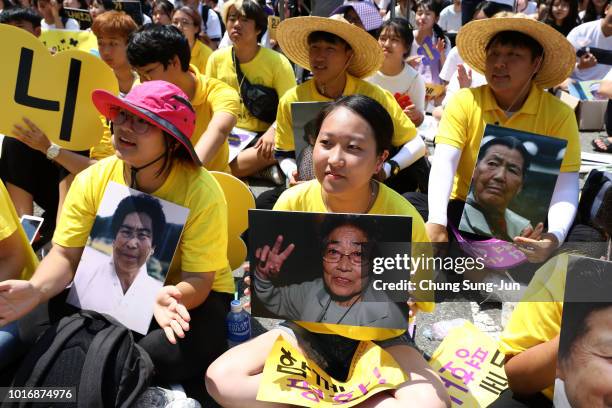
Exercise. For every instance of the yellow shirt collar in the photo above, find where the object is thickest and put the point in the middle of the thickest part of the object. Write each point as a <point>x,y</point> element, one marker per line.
<point>530,106</point>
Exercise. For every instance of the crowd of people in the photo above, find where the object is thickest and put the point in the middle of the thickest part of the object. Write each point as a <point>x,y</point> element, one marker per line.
<point>190,73</point>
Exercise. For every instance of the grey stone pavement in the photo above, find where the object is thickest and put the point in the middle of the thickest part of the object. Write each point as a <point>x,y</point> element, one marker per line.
<point>486,316</point>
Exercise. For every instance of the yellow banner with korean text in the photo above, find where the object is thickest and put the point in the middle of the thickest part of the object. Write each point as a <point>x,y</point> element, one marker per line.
<point>53,91</point>
<point>290,377</point>
<point>63,40</point>
<point>471,367</point>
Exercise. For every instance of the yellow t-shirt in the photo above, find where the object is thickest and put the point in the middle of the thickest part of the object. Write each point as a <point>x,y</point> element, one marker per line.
<point>203,244</point>
<point>212,96</point>
<point>105,147</point>
<point>307,197</point>
<point>9,223</point>
<point>268,68</point>
<point>404,129</point>
<point>199,55</point>
<point>470,110</point>
<point>537,317</point>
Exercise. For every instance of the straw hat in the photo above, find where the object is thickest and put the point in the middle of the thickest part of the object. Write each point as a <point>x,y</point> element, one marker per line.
<point>559,54</point>
<point>292,35</point>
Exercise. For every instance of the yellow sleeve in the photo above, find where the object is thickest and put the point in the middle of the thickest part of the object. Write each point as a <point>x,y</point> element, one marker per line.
<point>78,212</point>
<point>284,77</point>
<point>283,139</point>
<point>223,98</point>
<point>8,223</point>
<point>569,131</point>
<point>204,241</point>
<point>211,66</point>
<point>105,147</point>
<point>453,127</point>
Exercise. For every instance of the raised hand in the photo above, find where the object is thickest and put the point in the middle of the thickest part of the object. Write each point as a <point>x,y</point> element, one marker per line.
<point>270,260</point>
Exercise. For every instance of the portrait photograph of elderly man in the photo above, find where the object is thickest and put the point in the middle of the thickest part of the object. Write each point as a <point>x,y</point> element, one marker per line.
<point>512,184</point>
<point>126,260</point>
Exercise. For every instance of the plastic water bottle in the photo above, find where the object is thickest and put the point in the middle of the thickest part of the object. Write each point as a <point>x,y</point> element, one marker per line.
<point>238,324</point>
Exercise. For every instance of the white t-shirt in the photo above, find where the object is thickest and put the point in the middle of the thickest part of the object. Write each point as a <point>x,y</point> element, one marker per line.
<point>408,81</point>
<point>590,35</point>
<point>449,73</point>
<point>532,8</point>
<point>98,288</point>
<point>411,18</point>
<point>212,27</point>
<point>71,24</point>
<point>450,20</point>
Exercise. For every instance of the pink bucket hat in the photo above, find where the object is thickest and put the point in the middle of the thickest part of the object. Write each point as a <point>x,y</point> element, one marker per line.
<point>160,103</point>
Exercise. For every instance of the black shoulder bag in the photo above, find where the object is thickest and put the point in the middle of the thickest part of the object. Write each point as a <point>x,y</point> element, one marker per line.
<point>260,100</point>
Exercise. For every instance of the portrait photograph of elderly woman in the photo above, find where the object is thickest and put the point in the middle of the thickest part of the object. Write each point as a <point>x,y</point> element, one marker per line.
<point>320,268</point>
<point>512,184</point>
<point>127,256</point>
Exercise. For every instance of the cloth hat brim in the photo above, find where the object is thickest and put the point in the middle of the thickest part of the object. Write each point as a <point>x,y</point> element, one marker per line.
<point>559,54</point>
<point>292,35</point>
<point>106,101</point>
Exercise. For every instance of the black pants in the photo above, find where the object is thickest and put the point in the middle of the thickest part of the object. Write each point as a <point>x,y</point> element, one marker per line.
<point>507,399</point>
<point>185,362</point>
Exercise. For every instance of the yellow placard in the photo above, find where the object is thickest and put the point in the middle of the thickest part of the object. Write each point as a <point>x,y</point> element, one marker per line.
<point>54,91</point>
<point>63,40</point>
<point>471,367</point>
<point>434,90</point>
<point>239,201</point>
<point>290,377</point>
<point>273,22</point>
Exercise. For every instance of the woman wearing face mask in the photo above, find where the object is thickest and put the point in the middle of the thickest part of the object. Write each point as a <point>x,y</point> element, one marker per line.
<point>152,130</point>
<point>354,137</point>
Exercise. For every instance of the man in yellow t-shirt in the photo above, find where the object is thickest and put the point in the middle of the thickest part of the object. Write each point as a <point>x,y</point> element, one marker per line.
<point>162,53</point>
<point>519,57</point>
<point>246,21</point>
<point>338,54</point>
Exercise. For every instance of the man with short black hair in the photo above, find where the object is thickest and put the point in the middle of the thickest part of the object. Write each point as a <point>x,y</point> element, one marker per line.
<point>23,18</point>
<point>519,58</point>
<point>162,53</point>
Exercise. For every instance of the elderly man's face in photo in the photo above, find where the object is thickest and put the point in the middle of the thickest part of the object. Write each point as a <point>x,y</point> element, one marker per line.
<point>134,243</point>
<point>343,259</point>
<point>498,177</point>
<point>587,372</point>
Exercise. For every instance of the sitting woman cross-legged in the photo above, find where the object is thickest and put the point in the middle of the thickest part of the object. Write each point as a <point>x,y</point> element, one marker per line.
<point>152,130</point>
<point>354,135</point>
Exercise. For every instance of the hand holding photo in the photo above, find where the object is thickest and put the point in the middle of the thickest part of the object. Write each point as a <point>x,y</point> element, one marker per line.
<point>127,256</point>
<point>512,184</point>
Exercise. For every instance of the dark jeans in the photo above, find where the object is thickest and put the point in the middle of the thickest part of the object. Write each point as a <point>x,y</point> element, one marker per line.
<point>185,362</point>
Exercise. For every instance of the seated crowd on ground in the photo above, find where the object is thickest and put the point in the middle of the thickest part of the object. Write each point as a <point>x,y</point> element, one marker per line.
<point>188,74</point>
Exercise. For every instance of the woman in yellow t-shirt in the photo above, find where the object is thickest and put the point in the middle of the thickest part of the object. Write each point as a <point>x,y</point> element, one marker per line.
<point>246,22</point>
<point>152,130</point>
<point>189,22</point>
<point>354,136</point>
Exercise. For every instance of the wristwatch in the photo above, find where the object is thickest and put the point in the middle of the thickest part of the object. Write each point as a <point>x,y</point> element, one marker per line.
<point>395,168</point>
<point>53,151</point>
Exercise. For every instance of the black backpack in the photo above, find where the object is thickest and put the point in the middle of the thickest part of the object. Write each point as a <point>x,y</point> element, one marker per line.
<point>92,352</point>
<point>597,185</point>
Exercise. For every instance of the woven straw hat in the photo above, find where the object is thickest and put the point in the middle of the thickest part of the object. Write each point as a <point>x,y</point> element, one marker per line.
<point>292,35</point>
<point>559,54</point>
